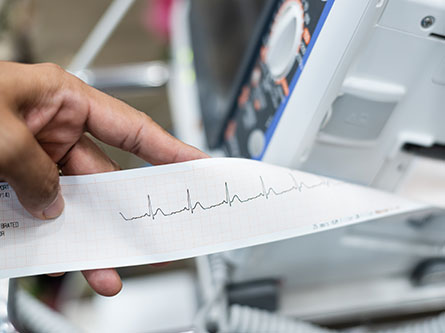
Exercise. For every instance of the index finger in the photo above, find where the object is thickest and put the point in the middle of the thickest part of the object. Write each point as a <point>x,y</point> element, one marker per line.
<point>118,124</point>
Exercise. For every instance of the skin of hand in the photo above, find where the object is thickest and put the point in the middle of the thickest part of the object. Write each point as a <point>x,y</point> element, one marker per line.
<point>44,115</point>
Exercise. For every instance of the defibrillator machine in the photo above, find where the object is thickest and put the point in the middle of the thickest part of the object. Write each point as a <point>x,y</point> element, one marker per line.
<point>351,89</point>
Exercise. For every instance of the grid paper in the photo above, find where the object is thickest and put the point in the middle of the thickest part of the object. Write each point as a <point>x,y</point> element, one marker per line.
<point>177,211</point>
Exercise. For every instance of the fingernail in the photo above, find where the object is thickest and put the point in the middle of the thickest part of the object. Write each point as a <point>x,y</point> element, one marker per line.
<point>55,208</point>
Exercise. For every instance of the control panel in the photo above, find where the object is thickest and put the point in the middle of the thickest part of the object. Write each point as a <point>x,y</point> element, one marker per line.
<point>272,75</point>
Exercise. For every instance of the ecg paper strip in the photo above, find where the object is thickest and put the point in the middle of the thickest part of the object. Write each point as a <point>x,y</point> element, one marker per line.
<point>177,211</point>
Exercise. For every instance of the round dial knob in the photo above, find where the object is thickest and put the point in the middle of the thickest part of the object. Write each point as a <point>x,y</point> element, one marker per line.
<point>285,38</point>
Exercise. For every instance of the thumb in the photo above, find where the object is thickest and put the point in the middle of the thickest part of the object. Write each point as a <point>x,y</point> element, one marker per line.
<point>29,170</point>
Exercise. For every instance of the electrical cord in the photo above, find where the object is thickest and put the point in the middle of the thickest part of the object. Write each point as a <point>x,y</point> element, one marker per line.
<point>244,319</point>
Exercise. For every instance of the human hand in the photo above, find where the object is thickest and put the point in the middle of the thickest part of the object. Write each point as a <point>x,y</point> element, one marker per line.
<point>45,113</point>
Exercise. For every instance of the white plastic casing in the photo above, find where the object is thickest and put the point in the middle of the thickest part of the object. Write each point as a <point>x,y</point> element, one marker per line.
<point>376,52</point>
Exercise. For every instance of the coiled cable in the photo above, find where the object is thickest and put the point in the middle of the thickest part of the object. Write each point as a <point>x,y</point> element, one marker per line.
<point>244,319</point>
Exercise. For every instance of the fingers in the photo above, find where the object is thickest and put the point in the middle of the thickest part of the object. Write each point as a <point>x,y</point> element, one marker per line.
<point>118,124</point>
<point>28,169</point>
<point>85,157</point>
<point>56,274</point>
<point>105,282</point>
<point>107,118</point>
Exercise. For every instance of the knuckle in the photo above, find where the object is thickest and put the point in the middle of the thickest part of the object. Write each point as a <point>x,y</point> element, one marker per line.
<point>51,70</point>
<point>49,66</point>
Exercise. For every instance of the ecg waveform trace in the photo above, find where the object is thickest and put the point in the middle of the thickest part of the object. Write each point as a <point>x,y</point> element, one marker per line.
<point>228,200</point>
